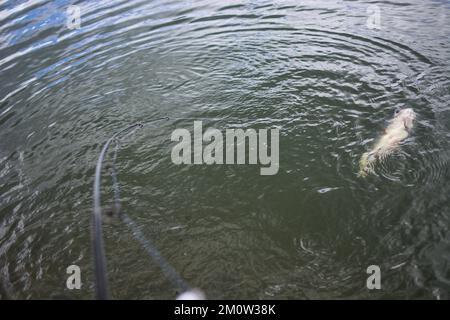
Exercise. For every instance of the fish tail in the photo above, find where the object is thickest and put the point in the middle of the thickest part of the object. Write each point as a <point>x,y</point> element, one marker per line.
<point>366,164</point>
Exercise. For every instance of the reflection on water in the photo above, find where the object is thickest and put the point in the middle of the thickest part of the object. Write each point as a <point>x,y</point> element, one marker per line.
<point>314,68</point>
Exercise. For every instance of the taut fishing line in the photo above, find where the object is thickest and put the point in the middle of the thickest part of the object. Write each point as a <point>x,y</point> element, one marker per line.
<point>101,280</point>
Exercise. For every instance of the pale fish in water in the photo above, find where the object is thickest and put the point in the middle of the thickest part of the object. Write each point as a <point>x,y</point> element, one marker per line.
<point>397,130</point>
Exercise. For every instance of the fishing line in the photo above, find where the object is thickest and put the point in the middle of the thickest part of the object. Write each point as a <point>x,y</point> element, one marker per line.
<point>101,281</point>
<point>101,285</point>
<point>151,250</point>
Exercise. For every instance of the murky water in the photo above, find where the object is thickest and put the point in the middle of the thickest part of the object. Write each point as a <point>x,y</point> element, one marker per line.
<point>312,68</point>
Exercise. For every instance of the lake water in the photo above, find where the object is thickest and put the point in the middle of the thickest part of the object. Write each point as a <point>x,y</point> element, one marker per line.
<point>326,73</point>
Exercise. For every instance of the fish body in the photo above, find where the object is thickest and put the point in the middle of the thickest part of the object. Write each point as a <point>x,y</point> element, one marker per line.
<point>397,130</point>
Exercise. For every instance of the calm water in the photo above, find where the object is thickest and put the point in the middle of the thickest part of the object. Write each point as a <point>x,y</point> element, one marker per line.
<point>312,68</point>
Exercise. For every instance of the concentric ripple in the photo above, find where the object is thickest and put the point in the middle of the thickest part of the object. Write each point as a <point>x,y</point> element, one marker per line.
<point>313,69</point>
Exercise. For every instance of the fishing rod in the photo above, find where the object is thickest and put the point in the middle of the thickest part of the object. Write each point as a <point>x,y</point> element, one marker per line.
<point>101,283</point>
